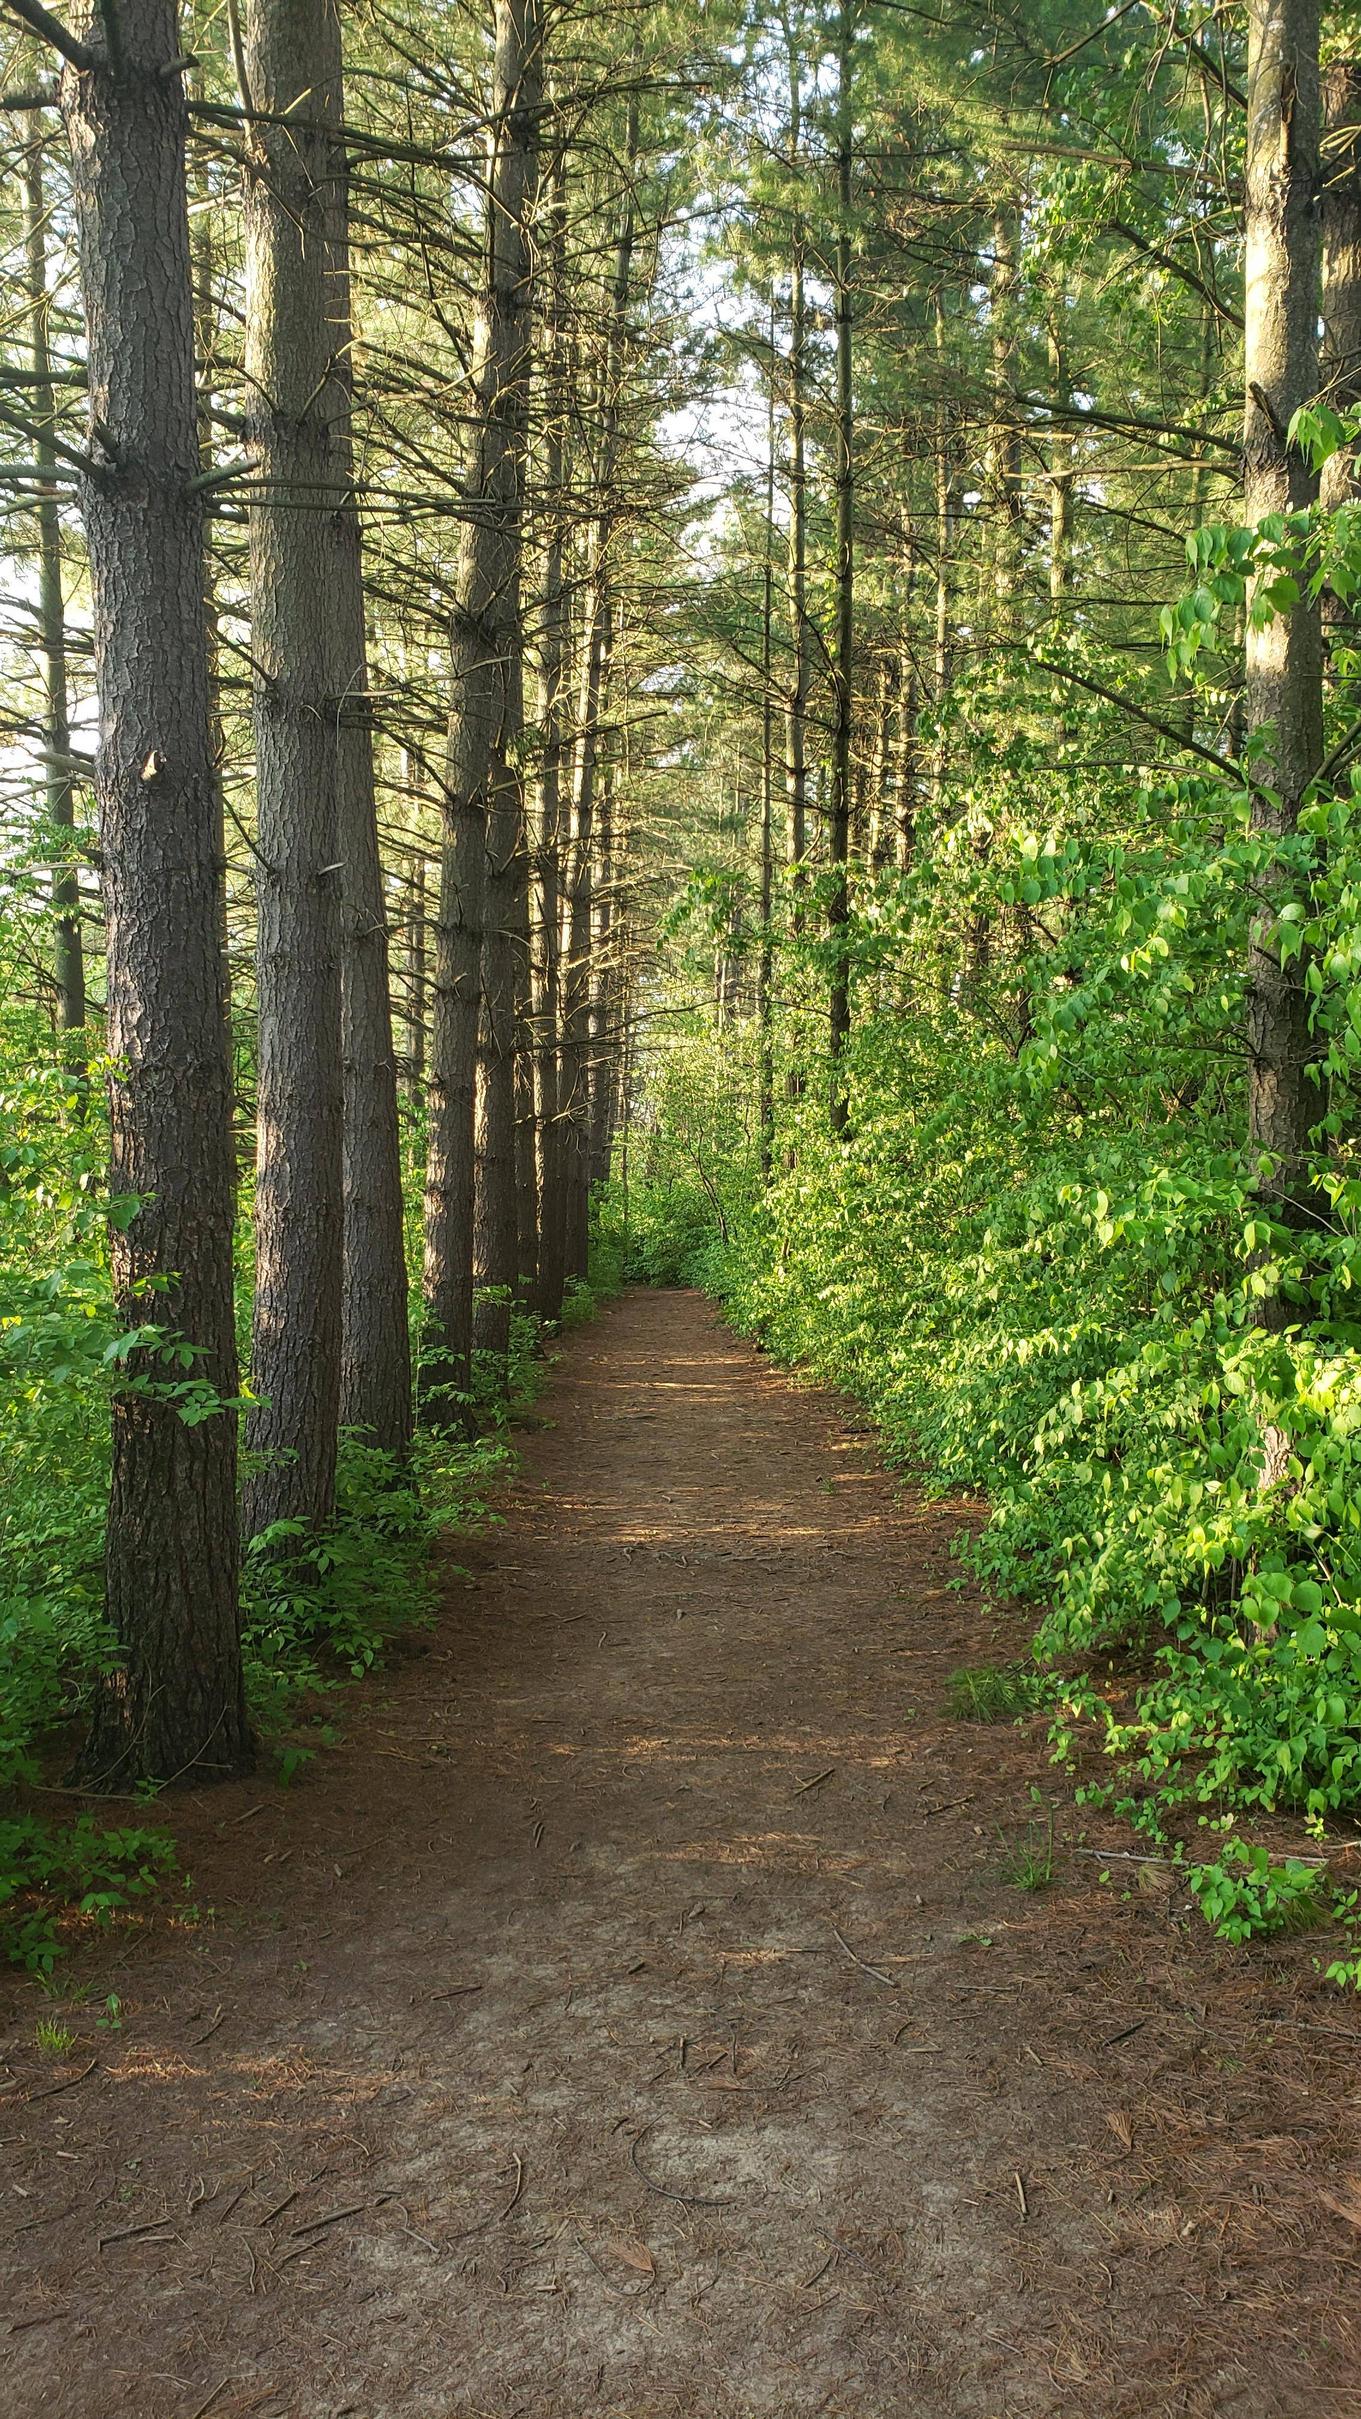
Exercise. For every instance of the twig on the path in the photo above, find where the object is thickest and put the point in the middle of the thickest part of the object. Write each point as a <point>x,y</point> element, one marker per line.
<point>127,2234</point>
<point>500,2215</point>
<point>949,1805</point>
<point>236,2199</point>
<point>297,2251</point>
<point>1127,2035</point>
<point>317,2225</point>
<point>877,1971</point>
<point>1020,2195</point>
<point>816,1781</point>
<point>207,2404</point>
<point>200,2038</point>
<point>245,1818</point>
<point>54,2217</point>
<point>50,2090</point>
<point>689,2200</point>
<point>286,2203</point>
<point>454,1990</point>
<point>43,2319</point>
<point>806,2283</point>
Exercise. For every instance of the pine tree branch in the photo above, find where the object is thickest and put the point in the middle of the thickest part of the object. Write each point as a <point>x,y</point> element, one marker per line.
<point>50,29</point>
<point>1222,764</point>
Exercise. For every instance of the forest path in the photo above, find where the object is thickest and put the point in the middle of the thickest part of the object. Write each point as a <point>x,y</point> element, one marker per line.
<point>633,2016</point>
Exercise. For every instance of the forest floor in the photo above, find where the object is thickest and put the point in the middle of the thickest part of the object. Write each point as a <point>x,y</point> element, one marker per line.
<point>635,2014</point>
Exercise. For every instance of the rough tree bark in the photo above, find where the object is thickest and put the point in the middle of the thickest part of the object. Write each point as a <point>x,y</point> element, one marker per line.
<point>943,653</point>
<point>291,415</point>
<point>1061,480</point>
<point>765,958</point>
<point>1283,667</point>
<point>510,284</point>
<point>800,652</point>
<point>415,1017</point>
<point>68,954</point>
<point>470,1210</point>
<point>1341,357</point>
<point>552,645</point>
<point>843,662</point>
<point>375,1355</point>
<point>597,654</point>
<point>174,1707</point>
<point>1004,445</point>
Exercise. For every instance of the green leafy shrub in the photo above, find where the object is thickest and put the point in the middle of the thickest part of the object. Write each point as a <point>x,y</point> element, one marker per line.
<point>1243,1894</point>
<point>53,1875</point>
<point>1038,1254</point>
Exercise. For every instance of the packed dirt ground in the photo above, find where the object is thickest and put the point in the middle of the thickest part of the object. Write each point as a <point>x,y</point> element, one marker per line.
<point>638,2013</point>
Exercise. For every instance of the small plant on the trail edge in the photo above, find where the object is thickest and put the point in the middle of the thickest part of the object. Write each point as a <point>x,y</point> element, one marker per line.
<point>53,2040</point>
<point>77,1869</point>
<point>1244,1895</point>
<point>994,1694</point>
<point>1030,1864</point>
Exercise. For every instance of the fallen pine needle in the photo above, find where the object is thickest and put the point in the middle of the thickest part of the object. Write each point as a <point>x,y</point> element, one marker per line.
<point>501,2214</point>
<point>690,2200</point>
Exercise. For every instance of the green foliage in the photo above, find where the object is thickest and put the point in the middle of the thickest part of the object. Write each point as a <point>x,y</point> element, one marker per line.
<point>995,1694</point>
<point>53,1876</point>
<point>1038,1256</point>
<point>1029,1864</point>
<point>1244,1894</point>
<point>318,1612</point>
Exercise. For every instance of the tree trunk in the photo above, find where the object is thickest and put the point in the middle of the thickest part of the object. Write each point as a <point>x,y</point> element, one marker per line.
<point>551,670</point>
<point>1060,475</point>
<point>292,409</point>
<point>510,292</point>
<point>205,337</point>
<point>602,983</point>
<point>838,905</point>
<point>470,1196</point>
<point>68,955</point>
<point>765,959</point>
<point>1341,362</point>
<point>1283,680</point>
<point>578,1074</point>
<point>527,1208</point>
<point>447,1274</point>
<point>375,1359</point>
<point>796,716</point>
<point>1004,464</point>
<point>175,1704</point>
<point>945,519</point>
<point>415,977</point>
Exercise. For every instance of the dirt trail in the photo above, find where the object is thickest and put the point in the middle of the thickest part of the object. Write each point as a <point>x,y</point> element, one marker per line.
<point>634,2016</point>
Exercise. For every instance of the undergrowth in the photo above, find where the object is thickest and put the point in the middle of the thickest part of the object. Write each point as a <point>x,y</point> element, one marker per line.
<point>318,1612</point>
<point>1037,1258</point>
